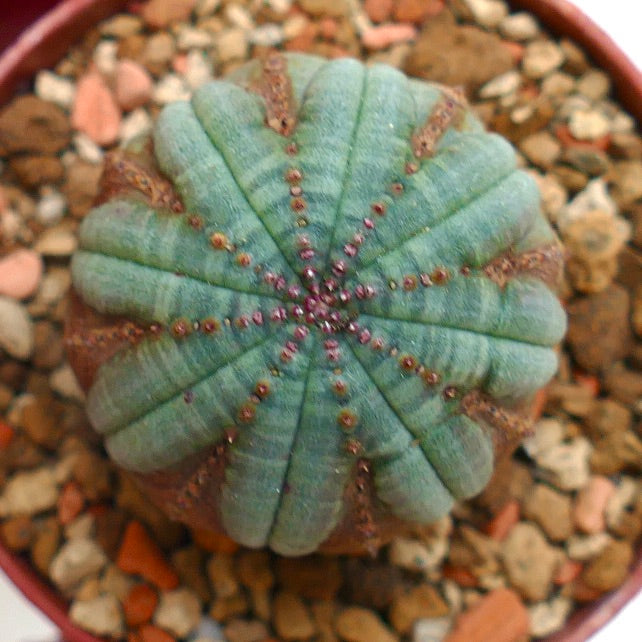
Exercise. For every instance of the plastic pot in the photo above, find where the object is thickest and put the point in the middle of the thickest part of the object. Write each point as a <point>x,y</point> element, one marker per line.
<point>46,40</point>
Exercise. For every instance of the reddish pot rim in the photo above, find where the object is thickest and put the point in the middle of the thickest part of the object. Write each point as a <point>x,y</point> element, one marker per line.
<point>47,40</point>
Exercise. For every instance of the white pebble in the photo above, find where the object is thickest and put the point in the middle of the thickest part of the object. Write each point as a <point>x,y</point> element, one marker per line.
<point>87,149</point>
<point>548,617</point>
<point>595,196</point>
<point>416,556</point>
<point>101,615</point>
<point>63,381</point>
<point>10,224</point>
<point>239,17</point>
<point>541,58</point>
<point>585,547</point>
<point>82,527</point>
<point>622,123</point>
<point>501,85</point>
<point>56,241</point>
<point>106,57</point>
<point>54,88</point>
<point>134,124</point>
<point>198,69</point>
<point>267,35</point>
<point>191,38</point>
<point>588,125</point>
<point>571,104</point>
<point>567,465</point>
<point>280,6</point>
<point>431,629</point>
<point>488,13</point>
<point>170,89</point>
<point>178,611</point>
<point>206,7</point>
<point>16,329</point>
<point>77,560</point>
<point>50,207</point>
<point>29,493</point>
<point>231,44</point>
<point>558,84</point>
<point>624,495</point>
<point>519,26</point>
<point>547,434</point>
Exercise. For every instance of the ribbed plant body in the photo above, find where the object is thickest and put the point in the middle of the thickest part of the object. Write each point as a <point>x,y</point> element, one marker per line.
<point>313,306</point>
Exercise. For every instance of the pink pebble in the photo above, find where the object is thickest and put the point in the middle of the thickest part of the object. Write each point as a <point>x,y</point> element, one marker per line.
<point>20,274</point>
<point>133,85</point>
<point>95,111</point>
<point>388,34</point>
<point>590,504</point>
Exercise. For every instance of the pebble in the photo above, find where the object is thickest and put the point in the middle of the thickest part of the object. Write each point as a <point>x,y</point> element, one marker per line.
<point>488,13</point>
<point>554,194</point>
<point>599,332</point>
<point>29,493</point>
<point>627,183</point>
<point>170,89</point>
<point>383,36</point>
<point>624,495</point>
<point>178,611</point>
<point>503,520</point>
<point>56,241</point>
<point>50,207</point>
<point>422,601</point>
<point>295,26</point>
<point>541,58</point>
<point>551,510</point>
<point>549,432</point>
<point>542,149</point>
<point>594,84</point>
<point>335,8</point>
<point>20,274</point>
<point>30,124</point>
<point>208,630</point>
<point>594,197</point>
<point>193,38</point>
<point>139,554</point>
<point>378,10</point>
<point>567,464</point>
<point>499,616</point>
<point>101,615</point>
<point>319,579</point>
<point>55,89</point>
<point>357,624</point>
<point>87,149</point>
<point>506,83</point>
<point>268,35</point>
<point>63,381</point>
<point>590,504</point>
<point>519,26</point>
<point>220,570</point>
<point>291,618</point>
<point>133,84</point>
<point>610,568</point>
<point>416,556</point>
<point>245,631</point>
<point>585,547</point>
<point>198,69</point>
<point>431,629</point>
<point>558,84</point>
<point>161,13</point>
<point>134,124</point>
<point>158,51</point>
<point>95,111</point>
<point>122,25</point>
<point>588,125</point>
<point>77,560</point>
<point>548,617</point>
<point>83,526</point>
<point>206,8</point>
<point>16,329</point>
<point>529,560</point>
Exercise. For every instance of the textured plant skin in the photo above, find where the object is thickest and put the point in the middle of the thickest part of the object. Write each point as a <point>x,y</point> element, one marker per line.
<point>315,305</point>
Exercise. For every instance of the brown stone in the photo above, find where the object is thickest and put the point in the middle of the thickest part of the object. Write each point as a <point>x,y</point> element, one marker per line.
<point>254,570</point>
<point>48,350</point>
<point>599,331</point>
<point>188,563</point>
<point>551,510</point>
<point>626,187</point>
<point>45,544</point>
<point>457,55</point>
<point>623,384</point>
<point>17,532</point>
<point>29,124</point>
<point>315,577</point>
<point>378,10</point>
<point>291,618</point>
<point>224,608</point>
<point>372,582</point>
<point>356,624</point>
<point>41,419</point>
<point>630,267</point>
<point>610,568</point>
<point>162,13</point>
<point>422,601</point>
<point>81,186</point>
<point>94,475</point>
<point>35,170</point>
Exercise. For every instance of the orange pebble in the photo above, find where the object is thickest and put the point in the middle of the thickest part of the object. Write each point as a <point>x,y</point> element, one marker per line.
<point>515,49</point>
<point>70,502</point>
<point>567,139</point>
<point>591,382</point>
<point>140,604</point>
<point>214,542</point>
<point>6,435</point>
<point>539,403</point>
<point>328,28</point>
<point>568,571</point>
<point>151,633</point>
<point>584,593</point>
<point>503,521</point>
<point>500,616</point>
<point>140,555</point>
<point>460,575</point>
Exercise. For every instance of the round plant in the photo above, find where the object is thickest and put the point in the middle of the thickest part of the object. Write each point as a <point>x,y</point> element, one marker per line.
<point>314,304</point>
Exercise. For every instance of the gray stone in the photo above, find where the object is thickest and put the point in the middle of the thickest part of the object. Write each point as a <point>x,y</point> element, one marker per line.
<point>16,329</point>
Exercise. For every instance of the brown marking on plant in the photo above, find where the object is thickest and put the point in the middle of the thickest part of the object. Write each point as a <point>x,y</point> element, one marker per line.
<point>126,173</point>
<point>448,112</point>
<point>543,263</point>
<point>275,87</point>
<point>364,517</point>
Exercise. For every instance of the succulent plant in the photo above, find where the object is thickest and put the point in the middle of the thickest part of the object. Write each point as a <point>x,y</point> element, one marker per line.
<point>312,307</point>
